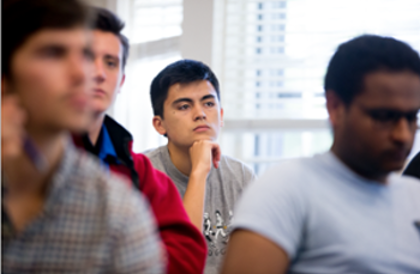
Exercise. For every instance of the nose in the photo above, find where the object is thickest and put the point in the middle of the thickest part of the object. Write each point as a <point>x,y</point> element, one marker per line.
<point>78,70</point>
<point>403,131</point>
<point>99,74</point>
<point>199,113</point>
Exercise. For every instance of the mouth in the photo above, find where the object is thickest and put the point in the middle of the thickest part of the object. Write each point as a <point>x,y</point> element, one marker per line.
<point>98,91</point>
<point>79,101</point>
<point>399,155</point>
<point>201,128</point>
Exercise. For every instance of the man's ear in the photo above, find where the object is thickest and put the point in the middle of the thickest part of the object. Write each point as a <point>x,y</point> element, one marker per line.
<point>335,108</point>
<point>159,125</point>
<point>221,117</point>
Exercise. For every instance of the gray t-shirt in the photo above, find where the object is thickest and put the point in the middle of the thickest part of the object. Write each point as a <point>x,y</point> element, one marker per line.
<point>330,220</point>
<point>223,188</point>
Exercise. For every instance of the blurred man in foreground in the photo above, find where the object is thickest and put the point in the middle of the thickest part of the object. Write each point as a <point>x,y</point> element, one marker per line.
<point>61,212</point>
<point>343,211</point>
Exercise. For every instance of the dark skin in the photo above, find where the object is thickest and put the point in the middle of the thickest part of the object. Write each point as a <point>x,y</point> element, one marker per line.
<point>251,253</point>
<point>368,142</point>
<point>372,145</point>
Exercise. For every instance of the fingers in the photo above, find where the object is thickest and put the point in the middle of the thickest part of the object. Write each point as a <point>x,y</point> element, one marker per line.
<point>216,154</point>
<point>12,127</point>
<point>204,154</point>
<point>12,111</point>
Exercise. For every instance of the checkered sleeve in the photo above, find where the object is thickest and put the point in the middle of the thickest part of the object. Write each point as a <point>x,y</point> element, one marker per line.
<point>136,244</point>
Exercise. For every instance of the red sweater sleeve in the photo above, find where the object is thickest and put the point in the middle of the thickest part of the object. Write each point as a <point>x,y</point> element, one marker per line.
<point>185,245</point>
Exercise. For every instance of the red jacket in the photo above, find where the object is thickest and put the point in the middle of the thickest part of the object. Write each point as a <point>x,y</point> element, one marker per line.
<point>185,245</point>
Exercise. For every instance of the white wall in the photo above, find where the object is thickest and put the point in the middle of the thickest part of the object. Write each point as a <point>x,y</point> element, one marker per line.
<point>197,36</point>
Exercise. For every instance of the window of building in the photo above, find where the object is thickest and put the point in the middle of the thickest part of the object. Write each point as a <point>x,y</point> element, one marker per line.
<point>278,111</point>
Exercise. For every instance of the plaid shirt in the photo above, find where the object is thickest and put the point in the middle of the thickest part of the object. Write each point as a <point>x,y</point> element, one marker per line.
<point>91,223</point>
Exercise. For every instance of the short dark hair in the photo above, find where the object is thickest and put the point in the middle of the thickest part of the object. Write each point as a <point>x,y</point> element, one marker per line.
<point>183,72</point>
<point>363,55</point>
<point>23,18</point>
<point>107,21</point>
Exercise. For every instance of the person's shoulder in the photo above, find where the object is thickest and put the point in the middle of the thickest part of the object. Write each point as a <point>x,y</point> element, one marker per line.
<point>156,157</point>
<point>293,172</point>
<point>88,166</point>
<point>275,206</point>
<point>237,168</point>
<point>152,152</point>
<point>118,211</point>
<point>140,159</point>
<point>233,163</point>
<point>95,181</point>
<point>284,185</point>
<point>150,177</point>
<point>407,181</point>
<point>407,189</point>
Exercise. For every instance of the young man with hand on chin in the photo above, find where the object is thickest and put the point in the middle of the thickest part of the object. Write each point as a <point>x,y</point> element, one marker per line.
<point>61,212</point>
<point>186,102</point>
<point>112,144</point>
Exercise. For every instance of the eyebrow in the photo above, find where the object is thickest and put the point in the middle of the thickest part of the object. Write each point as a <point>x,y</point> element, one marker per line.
<point>177,101</point>
<point>53,45</point>
<point>188,100</point>
<point>395,110</point>
<point>113,57</point>
<point>63,48</point>
<point>209,96</point>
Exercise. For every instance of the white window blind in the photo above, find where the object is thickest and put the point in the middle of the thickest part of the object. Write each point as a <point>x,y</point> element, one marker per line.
<point>271,58</point>
<point>153,20</point>
<point>153,28</point>
<point>275,53</point>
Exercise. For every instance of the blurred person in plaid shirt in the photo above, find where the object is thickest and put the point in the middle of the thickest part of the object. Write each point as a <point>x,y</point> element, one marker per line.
<point>62,212</point>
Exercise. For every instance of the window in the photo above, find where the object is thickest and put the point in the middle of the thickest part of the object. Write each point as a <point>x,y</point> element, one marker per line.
<point>153,20</point>
<point>275,55</point>
<point>154,29</point>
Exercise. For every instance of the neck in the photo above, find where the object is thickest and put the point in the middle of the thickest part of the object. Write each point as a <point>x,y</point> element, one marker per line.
<point>359,167</point>
<point>22,176</point>
<point>180,157</point>
<point>95,128</point>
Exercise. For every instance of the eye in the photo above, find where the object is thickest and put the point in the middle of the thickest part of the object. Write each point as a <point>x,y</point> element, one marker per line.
<point>88,54</point>
<point>111,64</point>
<point>411,117</point>
<point>183,107</point>
<point>52,52</point>
<point>209,104</point>
<point>383,115</point>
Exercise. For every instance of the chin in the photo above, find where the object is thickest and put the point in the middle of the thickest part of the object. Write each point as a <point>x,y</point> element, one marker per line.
<point>78,123</point>
<point>99,107</point>
<point>78,129</point>
<point>205,136</point>
<point>395,166</point>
